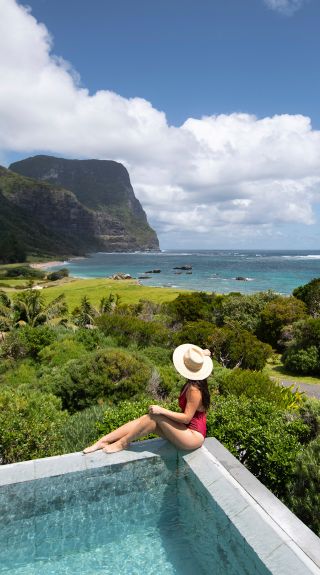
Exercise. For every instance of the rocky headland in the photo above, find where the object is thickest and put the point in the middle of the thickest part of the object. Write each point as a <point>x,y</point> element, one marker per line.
<point>55,207</point>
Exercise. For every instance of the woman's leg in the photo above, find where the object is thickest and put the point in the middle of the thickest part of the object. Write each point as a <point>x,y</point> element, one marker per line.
<point>114,435</point>
<point>177,433</point>
<point>142,426</point>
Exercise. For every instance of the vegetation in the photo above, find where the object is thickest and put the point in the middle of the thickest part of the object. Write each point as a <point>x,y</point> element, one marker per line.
<point>71,373</point>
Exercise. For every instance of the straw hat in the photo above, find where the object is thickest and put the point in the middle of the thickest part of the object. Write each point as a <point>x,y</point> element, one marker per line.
<point>192,362</point>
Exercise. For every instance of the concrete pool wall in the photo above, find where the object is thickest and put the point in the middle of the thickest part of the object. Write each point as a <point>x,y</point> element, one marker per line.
<point>265,527</point>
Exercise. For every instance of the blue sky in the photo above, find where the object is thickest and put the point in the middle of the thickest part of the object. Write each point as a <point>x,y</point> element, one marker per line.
<point>213,106</point>
<point>190,58</point>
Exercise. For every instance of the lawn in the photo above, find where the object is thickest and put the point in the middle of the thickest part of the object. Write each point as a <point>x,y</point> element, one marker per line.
<point>276,370</point>
<point>95,289</point>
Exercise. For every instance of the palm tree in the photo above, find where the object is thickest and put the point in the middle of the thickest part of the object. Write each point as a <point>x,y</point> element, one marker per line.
<point>85,314</point>
<point>30,308</point>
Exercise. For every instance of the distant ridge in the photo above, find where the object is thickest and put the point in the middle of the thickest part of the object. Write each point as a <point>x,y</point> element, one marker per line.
<point>59,206</point>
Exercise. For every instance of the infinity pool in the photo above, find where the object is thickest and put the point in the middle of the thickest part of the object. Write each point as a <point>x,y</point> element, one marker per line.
<point>142,517</point>
<point>139,513</point>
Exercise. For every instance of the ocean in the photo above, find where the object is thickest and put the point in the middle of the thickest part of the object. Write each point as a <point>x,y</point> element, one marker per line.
<point>211,270</point>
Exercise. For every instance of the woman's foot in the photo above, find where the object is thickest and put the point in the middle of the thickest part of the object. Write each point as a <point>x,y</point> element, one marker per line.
<point>95,446</point>
<point>114,447</point>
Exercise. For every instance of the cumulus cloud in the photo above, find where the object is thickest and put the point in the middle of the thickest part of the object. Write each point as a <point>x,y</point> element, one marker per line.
<point>223,178</point>
<point>287,7</point>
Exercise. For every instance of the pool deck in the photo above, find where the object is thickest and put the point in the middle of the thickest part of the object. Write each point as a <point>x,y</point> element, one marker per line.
<point>282,542</point>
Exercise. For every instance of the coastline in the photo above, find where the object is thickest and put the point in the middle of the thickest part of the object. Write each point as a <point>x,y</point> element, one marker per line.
<point>46,265</point>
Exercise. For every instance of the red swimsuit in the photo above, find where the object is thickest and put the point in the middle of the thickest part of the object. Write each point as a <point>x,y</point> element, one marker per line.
<point>199,420</point>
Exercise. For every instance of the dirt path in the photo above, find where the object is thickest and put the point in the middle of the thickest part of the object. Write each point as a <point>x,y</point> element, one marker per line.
<point>310,389</point>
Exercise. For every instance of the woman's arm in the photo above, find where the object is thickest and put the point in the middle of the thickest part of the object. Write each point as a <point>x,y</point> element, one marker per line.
<point>194,400</point>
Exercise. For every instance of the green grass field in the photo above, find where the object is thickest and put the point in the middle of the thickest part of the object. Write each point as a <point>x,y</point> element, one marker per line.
<point>276,370</point>
<point>95,289</point>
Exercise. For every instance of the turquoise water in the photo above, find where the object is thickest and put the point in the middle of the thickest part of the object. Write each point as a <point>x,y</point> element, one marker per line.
<point>212,270</point>
<point>143,517</point>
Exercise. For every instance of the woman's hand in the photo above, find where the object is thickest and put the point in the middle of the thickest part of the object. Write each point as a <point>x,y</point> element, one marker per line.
<point>155,409</point>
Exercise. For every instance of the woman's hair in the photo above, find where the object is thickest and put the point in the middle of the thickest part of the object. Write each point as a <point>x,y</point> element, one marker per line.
<point>202,385</point>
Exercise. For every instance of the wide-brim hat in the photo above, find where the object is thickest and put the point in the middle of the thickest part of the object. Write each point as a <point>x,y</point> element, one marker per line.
<point>192,362</point>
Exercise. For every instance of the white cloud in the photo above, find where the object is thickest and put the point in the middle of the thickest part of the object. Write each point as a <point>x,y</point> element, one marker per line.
<point>224,178</point>
<point>287,7</point>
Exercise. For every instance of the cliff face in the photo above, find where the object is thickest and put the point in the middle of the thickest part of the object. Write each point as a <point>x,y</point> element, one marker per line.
<point>45,220</point>
<point>92,200</point>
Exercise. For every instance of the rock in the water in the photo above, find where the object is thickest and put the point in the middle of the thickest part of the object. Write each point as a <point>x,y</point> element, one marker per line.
<point>241,279</point>
<point>121,276</point>
<point>153,272</point>
<point>185,267</point>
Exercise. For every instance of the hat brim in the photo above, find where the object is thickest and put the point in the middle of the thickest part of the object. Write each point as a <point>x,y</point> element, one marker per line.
<point>178,363</point>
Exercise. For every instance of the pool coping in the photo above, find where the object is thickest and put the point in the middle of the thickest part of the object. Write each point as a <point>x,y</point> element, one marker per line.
<point>281,541</point>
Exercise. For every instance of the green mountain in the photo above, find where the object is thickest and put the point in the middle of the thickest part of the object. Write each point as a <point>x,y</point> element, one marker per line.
<point>70,207</point>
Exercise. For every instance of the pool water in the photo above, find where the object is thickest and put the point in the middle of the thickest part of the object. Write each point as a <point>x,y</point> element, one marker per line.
<point>143,517</point>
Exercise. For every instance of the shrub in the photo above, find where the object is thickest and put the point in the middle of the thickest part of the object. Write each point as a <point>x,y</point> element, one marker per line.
<point>310,295</point>
<point>24,272</point>
<point>258,385</point>
<point>30,425</point>
<point>304,361</point>
<point>58,275</point>
<point>109,374</point>
<point>303,492</point>
<point>158,355</point>
<point>310,414</point>
<point>80,429</point>
<point>128,329</point>
<point>22,374</point>
<point>260,436</point>
<point>93,339</point>
<point>27,341</point>
<point>276,315</point>
<point>237,347</point>
<point>245,309</point>
<point>193,307</point>
<point>169,383</point>
<point>60,352</point>
<point>197,332</point>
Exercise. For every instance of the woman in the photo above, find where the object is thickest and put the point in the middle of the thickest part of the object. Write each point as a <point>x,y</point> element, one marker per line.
<point>186,430</point>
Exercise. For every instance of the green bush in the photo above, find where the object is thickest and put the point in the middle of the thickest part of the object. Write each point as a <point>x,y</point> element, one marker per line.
<point>303,492</point>
<point>260,436</point>
<point>132,330</point>
<point>24,272</point>
<point>58,275</point>
<point>30,425</point>
<point>193,307</point>
<point>158,355</point>
<point>310,414</point>
<point>169,384</point>
<point>197,332</point>
<point>236,347</point>
<point>20,374</point>
<point>244,309</point>
<point>80,429</point>
<point>93,339</point>
<point>310,295</point>
<point>60,352</point>
<point>105,375</point>
<point>258,385</point>
<point>27,341</point>
<point>277,314</point>
<point>303,361</point>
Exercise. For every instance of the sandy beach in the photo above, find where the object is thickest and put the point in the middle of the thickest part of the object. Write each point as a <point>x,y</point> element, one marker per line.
<point>46,265</point>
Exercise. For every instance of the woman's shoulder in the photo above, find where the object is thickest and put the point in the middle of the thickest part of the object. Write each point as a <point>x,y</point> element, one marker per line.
<point>192,389</point>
